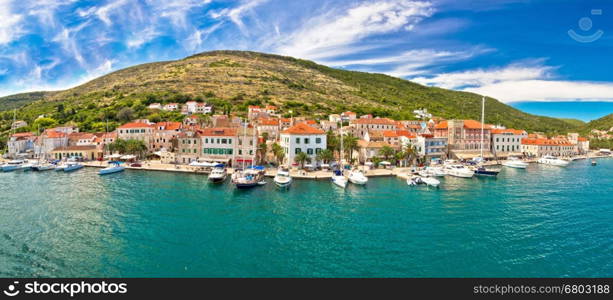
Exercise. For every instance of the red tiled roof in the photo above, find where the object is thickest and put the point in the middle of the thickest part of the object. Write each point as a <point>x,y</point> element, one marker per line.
<point>582,139</point>
<point>268,122</point>
<point>545,142</point>
<point>510,130</point>
<point>23,134</point>
<point>303,128</point>
<point>169,125</point>
<point>468,124</point>
<point>135,125</point>
<point>52,134</point>
<point>390,134</point>
<point>406,133</point>
<point>218,131</point>
<point>254,107</point>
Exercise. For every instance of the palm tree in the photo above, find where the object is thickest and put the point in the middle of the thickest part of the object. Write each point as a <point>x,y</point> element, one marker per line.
<point>332,141</point>
<point>325,156</point>
<point>302,158</point>
<point>261,151</point>
<point>409,153</point>
<point>265,136</point>
<point>386,152</point>
<point>350,144</point>
<point>279,153</point>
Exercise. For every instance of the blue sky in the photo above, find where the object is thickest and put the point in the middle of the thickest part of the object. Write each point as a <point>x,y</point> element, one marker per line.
<point>513,50</point>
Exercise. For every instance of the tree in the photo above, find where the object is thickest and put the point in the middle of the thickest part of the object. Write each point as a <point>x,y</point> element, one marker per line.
<point>125,114</point>
<point>302,158</point>
<point>350,143</point>
<point>279,153</point>
<point>261,151</point>
<point>44,123</point>
<point>332,141</point>
<point>325,156</point>
<point>136,147</point>
<point>386,152</point>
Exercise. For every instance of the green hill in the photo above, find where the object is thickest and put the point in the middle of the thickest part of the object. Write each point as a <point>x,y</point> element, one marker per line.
<point>232,80</point>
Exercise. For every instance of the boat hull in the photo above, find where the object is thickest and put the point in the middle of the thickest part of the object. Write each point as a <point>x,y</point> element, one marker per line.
<point>487,173</point>
<point>111,171</point>
<point>282,183</point>
<point>217,179</point>
<point>340,182</point>
<point>515,166</point>
<point>245,186</point>
<point>73,168</point>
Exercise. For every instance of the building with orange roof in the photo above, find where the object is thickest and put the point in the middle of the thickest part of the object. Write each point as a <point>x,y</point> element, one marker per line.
<point>51,139</point>
<point>464,137</point>
<point>21,145</point>
<point>270,126</point>
<point>368,150</point>
<point>507,142</point>
<point>303,138</point>
<point>189,147</point>
<point>348,116</point>
<point>362,126</point>
<point>142,131</point>
<point>165,136</point>
<point>537,147</point>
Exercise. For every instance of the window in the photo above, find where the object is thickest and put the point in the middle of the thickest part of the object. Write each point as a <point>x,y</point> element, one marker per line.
<point>224,141</point>
<point>298,150</point>
<point>297,140</point>
<point>307,140</point>
<point>310,151</point>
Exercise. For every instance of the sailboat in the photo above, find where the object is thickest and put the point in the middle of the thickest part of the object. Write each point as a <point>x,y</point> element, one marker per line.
<point>481,170</point>
<point>338,178</point>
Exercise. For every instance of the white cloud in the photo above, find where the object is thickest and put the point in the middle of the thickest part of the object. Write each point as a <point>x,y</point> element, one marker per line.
<point>104,12</point>
<point>546,90</point>
<point>481,77</point>
<point>142,37</point>
<point>528,81</point>
<point>67,39</point>
<point>236,14</point>
<point>333,33</point>
<point>195,40</point>
<point>10,26</point>
<point>176,10</point>
<point>45,10</point>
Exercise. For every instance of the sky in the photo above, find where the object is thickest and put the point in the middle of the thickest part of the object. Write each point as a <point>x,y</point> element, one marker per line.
<point>513,50</point>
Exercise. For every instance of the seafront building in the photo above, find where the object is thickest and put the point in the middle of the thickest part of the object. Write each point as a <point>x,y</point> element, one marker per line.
<point>538,147</point>
<point>464,138</point>
<point>507,142</point>
<point>303,138</point>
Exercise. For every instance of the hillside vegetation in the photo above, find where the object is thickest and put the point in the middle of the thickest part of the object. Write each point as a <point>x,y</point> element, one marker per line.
<point>232,80</point>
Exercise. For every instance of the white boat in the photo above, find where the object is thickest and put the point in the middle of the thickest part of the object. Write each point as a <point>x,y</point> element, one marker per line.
<point>431,181</point>
<point>249,178</point>
<point>459,171</point>
<point>357,177</point>
<point>60,167</point>
<point>218,174</point>
<point>514,162</point>
<point>12,165</point>
<point>432,172</point>
<point>339,179</point>
<point>43,167</point>
<point>553,161</point>
<point>205,164</point>
<point>71,167</point>
<point>115,168</point>
<point>283,179</point>
<point>428,181</point>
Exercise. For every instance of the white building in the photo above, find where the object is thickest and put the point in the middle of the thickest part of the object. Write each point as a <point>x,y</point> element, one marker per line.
<point>431,147</point>
<point>303,138</point>
<point>171,107</point>
<point>506,141</point>
<point>155,106</point>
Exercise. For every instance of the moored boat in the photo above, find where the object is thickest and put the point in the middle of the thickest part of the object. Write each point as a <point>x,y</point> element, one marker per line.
<point>42,167</point>
<point>248,178</point>
<point>432,172</point>
<point>514,162</point>
<point>282,178</point>
<point>218,174</point>
<point>71,167</point>
<point>553,161</point>
<point>12,165</point>
<point>482,171</point>
<point>339,179</point>
<point>357,177</point>
<point>459,171</point>
<point>115,167</point>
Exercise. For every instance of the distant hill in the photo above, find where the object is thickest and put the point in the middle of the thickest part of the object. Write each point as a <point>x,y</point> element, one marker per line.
<point>232,80</point>
<point>604,123</point>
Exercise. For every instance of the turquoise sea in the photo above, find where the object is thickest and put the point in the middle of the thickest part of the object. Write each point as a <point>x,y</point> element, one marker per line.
<point>540,222</point>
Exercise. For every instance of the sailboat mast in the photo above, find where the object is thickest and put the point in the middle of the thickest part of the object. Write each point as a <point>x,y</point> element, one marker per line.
<point>341,131</point>
<point>482,123</point>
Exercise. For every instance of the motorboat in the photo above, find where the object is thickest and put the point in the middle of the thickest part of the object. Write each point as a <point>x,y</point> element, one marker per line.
<point>428,181</point>
<point>553,161</point>
<point>27,166</point>
<point>432,172</point>
<point>283,179</point>
<point>357,177</point>
<point>339,179</point>
<point>205,164</point>
<point>71,167</point>
<point>218,174</point>
<point>114,167</point>
<point>60,167</point>
<point>42,167</point>
<point>249,178</point>
<point>12,165</point>
<point>593,162</point>
<point>482,171</point>
<point>458,170</point>
<point>514,162</point>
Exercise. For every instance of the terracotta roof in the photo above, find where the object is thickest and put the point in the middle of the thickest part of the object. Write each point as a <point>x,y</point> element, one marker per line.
<point>378,121</point>
<point>254,107</point>
<point>52,134</point>
<point>545,142</point>
<point>220,131</point>
<point>286,120</point>
<point>468,124</point>
<point>510,130</point>
<point>303,128</point>
<point>169,125</point>
<point>348,113</point>
<point>390,134</point>
<point>406,133</point>
<point>582,139</point>
<point>135,125</point>
<point>23,134</point>
<point>271,107</point>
